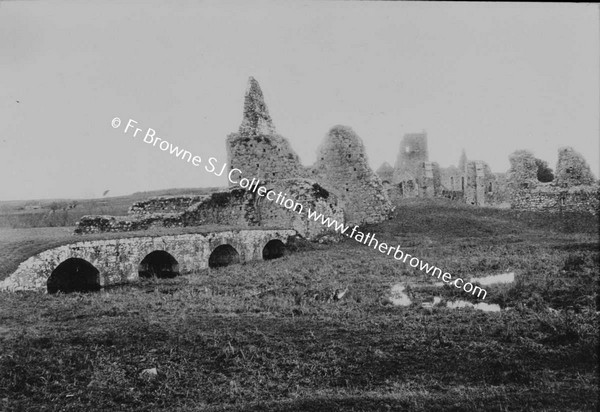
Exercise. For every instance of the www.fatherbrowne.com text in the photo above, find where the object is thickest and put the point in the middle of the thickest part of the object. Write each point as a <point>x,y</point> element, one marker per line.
<point>235,177</point>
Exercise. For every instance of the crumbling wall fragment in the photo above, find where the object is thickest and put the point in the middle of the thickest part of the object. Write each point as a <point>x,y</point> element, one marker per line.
<point>308,196</point>
<point>573,190</point>
<point>479,183</point>
<point>523,171</point>
<point>256,149</point>
<point>451,178</point>
<point>572,169</point>
<point>342,167</point>
<point>411,155</point>
<point>164,204</point>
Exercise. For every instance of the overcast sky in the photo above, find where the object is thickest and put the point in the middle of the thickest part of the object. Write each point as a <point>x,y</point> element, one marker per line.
<point>490,78</point>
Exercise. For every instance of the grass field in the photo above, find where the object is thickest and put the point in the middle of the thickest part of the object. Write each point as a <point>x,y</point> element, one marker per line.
<point>267,336</point>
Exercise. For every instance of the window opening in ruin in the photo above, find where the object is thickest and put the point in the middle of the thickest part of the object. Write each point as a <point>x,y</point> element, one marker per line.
<point>158,264</point>
<point>74,275</point>
<point>349,155</point>
<point>223,255</point>
<point>273,249</point>
<point>463,183</point>
<point>452,183</point>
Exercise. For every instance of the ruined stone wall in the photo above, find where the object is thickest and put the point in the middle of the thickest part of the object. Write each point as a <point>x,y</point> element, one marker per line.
<point>164,204</point>
<point>311,196</point>
<point>397,186</point>
<point>268,157</point>
<point>259,152</point>
<point>103,224</point>
<point>437,178</point>
<point>499,194</point>
<point>393,191</point>
<point>409,189</point>
<point>342,167</point>
<point>471,178</point>
<point>256,149</point>
<point>452,179</point>
<point>224,208</point>
<point>240,207</point>
<point>426,180</point>
<point>478,183</point>
<point>235,207</point>
<point>573,190</point>
<point>488,181</point>
<point>413,152</point>
<point>405,185</point>
<point>523,171</point>
<point>118,260</point>
<point>414,174</point>
<point>572,169</point>
<point>549,198</point>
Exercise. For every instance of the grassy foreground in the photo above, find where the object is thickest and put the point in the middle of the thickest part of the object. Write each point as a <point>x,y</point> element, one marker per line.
<point>268,336</point>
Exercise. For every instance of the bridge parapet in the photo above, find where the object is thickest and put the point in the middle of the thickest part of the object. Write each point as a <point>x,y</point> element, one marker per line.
<point>121,260</point>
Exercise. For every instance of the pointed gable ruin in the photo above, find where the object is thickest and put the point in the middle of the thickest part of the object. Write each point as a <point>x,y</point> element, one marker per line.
<point>256,149</point>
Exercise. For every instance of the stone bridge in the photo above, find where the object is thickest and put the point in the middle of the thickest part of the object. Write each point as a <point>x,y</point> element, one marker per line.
<point>92,264</point>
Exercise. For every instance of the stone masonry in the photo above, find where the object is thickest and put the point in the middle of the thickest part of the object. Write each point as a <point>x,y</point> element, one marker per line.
<point>479,183</point>
<point>259,152</point>
<point>256,149</point>
<point>234,207</point>
<point>414,175</point>
<point>574,188</point>
<point>572,169</point>
<point>413,152</point>
<point>118,260</point>
<point>342,167</point>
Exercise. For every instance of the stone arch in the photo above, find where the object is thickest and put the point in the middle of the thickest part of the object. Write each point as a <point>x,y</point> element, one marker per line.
<point>273,249</point>
<point>74,275</point>
<point>158,264</point>
<point>223,255</point>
